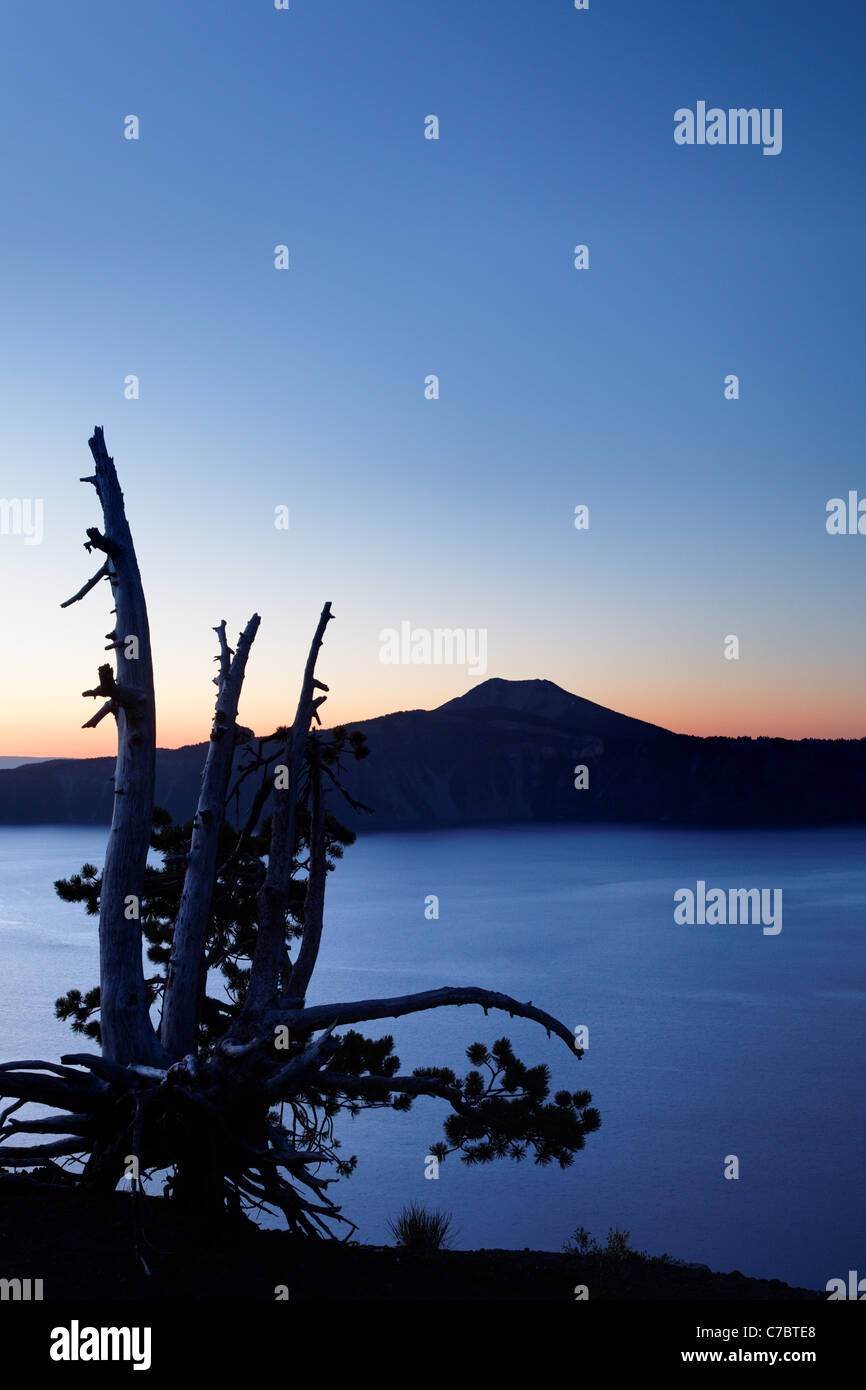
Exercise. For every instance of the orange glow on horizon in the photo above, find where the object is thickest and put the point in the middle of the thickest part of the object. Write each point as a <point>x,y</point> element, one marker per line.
<point>754,714</point>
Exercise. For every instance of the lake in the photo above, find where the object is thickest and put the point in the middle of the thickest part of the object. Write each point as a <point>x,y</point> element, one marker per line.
<point>705,1041</point>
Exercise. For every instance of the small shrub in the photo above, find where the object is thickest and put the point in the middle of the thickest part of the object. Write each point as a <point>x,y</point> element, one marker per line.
<point>616,1247</point>
<point>421,1231</point>
<point>581,1242</point>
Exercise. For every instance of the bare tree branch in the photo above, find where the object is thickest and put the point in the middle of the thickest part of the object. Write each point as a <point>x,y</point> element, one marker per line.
<point>110,707</point>
<point>30,1156</point>
<point>183,986</point>
<point>46,1090</point>
<point>101,1067</point>
<point>91,583</point>
<point>55,1124</point>
<point>364,1010</point>
<point>95,539</point>
<point>68,1072</point>
<point>306,1061</point>
<point>274,895</point>
<point>314,902</point>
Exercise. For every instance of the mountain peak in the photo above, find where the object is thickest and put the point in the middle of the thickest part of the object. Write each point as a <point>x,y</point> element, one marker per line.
<point>539,697</point>
<point>542,699</point>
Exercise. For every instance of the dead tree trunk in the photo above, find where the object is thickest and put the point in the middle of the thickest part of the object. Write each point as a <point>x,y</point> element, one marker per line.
<point>314,902</point>
<point>274,896</point>
<point>184,978</point>
<point>127,1032</point>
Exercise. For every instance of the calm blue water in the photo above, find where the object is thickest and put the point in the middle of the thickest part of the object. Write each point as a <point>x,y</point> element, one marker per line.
<point>704,1041</point>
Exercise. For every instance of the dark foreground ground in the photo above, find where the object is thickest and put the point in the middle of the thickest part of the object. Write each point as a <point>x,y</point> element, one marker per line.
<point>86,1247</point>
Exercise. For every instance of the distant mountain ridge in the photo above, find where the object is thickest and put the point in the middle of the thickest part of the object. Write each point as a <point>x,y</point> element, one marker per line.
<point>506,752</point>
<point>544,700</point>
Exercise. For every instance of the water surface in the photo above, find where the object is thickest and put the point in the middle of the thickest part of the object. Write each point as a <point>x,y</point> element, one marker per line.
<point>704,1041</point>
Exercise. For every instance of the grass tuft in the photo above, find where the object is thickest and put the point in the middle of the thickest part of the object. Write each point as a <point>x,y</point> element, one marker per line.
<point>421,1231</point>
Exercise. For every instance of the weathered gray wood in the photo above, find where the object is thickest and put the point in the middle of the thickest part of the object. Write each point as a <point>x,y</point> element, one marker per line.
<point>184,976</point>
<point>45,1090</point>
<point>314,902</point>
<point>363,1010</point>
<point>32,1155</point>
<point>274,896</point>
<point>55,1124</point>
<point>127,1032</point>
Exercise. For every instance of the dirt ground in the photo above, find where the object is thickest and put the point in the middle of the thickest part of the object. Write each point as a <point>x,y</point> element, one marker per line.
<point>97,1247</point>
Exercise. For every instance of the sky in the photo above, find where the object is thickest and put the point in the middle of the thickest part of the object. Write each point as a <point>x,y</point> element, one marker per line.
<point>307,388</point>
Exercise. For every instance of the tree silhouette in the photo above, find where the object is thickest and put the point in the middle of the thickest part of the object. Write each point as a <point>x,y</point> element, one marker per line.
<point>235,1092</point>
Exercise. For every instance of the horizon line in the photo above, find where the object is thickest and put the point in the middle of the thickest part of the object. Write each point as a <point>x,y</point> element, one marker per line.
<point>421,709</point>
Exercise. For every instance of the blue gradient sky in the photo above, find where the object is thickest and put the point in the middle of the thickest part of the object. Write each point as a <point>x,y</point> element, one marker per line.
<point>410,257</point>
